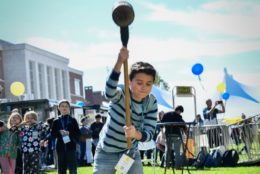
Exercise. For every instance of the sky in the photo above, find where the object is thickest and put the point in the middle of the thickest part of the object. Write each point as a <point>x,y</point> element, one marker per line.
<point>172,35</point>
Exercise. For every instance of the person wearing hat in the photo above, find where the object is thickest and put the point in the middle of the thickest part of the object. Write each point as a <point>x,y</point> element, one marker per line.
<point>95,129</point>
<point>66,129</point>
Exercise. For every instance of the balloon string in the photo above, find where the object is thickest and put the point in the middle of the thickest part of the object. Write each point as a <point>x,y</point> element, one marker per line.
<point>201,83</point>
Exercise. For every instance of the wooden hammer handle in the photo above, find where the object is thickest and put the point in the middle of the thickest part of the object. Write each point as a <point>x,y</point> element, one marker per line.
<point>127,101</point>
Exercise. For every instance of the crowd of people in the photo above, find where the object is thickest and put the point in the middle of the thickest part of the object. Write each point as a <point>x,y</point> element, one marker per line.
<point>28,146</point>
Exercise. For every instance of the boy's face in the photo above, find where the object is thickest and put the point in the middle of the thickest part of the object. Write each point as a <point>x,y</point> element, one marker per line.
<point>98,119</point>
<point>64,108</point>
<point>141,86</point>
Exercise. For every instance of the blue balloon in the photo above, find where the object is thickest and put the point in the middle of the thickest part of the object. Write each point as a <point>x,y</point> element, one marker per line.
<point>197,69</point>
<point>225,95</point>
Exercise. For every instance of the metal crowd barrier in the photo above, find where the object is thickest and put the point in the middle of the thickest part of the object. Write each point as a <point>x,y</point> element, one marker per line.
<point>244,137</point>
<point>170,160</point>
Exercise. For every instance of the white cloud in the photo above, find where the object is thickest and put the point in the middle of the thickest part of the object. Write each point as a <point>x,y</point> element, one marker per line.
<point>247,78</point>
<point>81,56</point>
<point>235,18</point>
<point>155,49</point>
<point>232,6</point>
<point>52,45</point>
<point>103,54</point>
<point>101,34</point>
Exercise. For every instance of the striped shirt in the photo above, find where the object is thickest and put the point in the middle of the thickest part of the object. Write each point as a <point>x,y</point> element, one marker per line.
<point>143,118</point>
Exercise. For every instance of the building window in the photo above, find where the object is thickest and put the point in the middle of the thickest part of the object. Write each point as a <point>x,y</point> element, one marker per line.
<point>57,82</point>
<point>41,80</point>
<point>64,84</point>
<point>77,86</point>
<point>32,78</point>
<point>49,81</point>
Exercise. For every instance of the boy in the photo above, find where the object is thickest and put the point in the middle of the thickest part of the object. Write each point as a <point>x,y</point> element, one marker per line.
<point>66,129</point>
<point>143,108</point>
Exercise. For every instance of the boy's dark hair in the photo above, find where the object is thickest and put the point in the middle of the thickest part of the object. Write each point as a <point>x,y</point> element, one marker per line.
<point>63,101</point>
<point>142,67</point>
<point>98,116</point>
<point>179,108</point>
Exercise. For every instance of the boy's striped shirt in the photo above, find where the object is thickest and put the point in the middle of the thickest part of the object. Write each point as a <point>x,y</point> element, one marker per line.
<point>143,117</point>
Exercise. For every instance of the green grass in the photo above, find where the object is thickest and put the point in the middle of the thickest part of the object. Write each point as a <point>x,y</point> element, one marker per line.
<point>221,170</point>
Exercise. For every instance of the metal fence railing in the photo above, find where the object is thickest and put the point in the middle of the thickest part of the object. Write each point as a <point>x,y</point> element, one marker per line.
<point>243,136</point>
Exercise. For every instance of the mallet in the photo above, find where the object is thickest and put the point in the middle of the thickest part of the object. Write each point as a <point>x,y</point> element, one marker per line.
<point>123,15</point>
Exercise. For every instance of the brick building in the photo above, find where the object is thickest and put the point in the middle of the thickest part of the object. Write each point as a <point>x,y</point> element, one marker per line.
<point>44,74</point>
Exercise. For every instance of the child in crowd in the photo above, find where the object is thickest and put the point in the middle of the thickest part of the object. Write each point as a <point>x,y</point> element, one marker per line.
<point>66,129</point>
<point>32,135</point>
<point>9,143</point>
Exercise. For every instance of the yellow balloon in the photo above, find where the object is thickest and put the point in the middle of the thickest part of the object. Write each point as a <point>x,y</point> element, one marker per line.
<point>221,87</point>
<point>17,88</point>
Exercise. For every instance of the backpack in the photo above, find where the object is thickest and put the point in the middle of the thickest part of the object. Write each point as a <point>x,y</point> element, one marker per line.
<point>201,159</point>
<point>230,158</point>
<point>217,157</point>
<point>214,159</point>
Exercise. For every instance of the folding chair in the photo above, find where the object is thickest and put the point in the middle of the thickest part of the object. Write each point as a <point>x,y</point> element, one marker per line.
<point>147,146</point>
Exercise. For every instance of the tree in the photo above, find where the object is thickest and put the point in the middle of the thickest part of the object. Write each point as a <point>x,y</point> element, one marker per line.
<point>161,83</point>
